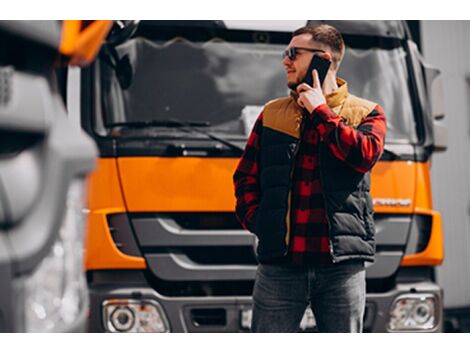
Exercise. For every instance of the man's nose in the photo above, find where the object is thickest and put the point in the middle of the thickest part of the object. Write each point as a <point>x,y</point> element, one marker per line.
<point>287,62</point>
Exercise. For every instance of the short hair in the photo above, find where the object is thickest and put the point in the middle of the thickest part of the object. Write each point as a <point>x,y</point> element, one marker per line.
<point>327,35</point>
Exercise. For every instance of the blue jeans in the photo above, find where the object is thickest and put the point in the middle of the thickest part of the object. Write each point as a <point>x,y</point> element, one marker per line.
<point>336,295</point>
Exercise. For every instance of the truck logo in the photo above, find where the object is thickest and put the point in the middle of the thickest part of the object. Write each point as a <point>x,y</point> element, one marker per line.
<point>392,202</point>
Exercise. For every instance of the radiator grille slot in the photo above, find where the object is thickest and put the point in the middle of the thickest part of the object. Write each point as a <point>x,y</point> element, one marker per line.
<point>208,317</point>
<point>206,221</point>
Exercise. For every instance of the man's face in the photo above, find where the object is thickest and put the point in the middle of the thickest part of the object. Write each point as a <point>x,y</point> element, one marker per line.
<point>297,69</point>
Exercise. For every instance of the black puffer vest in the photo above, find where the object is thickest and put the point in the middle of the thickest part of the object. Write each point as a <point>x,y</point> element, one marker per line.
<point>348,205</point>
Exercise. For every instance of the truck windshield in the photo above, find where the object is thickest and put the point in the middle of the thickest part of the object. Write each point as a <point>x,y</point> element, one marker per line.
<point>226,83</point>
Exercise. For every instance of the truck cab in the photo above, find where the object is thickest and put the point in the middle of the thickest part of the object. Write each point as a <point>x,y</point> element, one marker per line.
<point>170,105</point>
<point>44,159</point>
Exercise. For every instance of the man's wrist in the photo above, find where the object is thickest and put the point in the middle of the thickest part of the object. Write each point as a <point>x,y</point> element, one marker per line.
<point>326,119</point>
<point>321,111</point>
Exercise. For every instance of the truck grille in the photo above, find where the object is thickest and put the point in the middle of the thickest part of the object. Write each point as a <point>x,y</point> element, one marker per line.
<point>209,254</point>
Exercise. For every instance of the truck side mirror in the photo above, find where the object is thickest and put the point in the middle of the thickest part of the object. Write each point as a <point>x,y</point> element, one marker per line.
<point>435,88</point>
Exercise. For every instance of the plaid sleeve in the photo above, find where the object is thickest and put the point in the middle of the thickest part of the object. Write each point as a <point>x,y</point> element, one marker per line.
<point>245,179</point>
<point>359,147</point>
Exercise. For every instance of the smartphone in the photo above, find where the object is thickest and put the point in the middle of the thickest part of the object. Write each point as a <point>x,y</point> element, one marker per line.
<point>322,66</point>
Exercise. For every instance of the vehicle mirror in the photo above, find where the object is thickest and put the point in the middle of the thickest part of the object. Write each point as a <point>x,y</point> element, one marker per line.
<point>436,92</point>
<point>121,31</point>
<point>435,89</point>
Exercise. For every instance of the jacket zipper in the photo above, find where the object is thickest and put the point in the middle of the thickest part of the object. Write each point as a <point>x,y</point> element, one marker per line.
<point>324,198</point>
<point>324,201</point>
<point>294,155</point>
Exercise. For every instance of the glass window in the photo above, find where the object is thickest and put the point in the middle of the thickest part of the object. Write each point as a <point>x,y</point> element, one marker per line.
<point>227,83</point>
<point>382,77</point>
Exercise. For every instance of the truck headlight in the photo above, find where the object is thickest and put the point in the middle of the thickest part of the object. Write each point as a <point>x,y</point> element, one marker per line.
<point>128,315</point>
<point>56,292</point>
<point>414,312</point>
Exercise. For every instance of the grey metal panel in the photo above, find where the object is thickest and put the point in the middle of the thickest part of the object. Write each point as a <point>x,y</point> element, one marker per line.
<point>162,231</point>
<point>34,181</point>
<point>64,154</point>
<point>26,109</point>
<point>445,45</point>
<point>392,29</point>
<point>176,267</point>
<point>43,32</point>
<point>386,264</point>
<point>68,155</point>
<point>165,232</point>
<point>74,94</point>
<point>21,178</point>
<point>393,230</point>
<point>174,307</point>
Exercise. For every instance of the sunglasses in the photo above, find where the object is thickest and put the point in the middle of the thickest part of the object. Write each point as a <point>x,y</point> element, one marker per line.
<point>291,53</point>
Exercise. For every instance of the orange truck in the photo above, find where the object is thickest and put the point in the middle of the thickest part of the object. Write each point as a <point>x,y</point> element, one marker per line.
<point>170,105</point>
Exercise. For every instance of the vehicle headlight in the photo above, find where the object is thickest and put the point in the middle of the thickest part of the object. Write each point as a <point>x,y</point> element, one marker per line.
<point>127,315</point>
<point>56,292</point>
<point>414,312</point>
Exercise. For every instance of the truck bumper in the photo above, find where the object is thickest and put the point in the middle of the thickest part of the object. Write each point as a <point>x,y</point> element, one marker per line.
<point>229,314</point>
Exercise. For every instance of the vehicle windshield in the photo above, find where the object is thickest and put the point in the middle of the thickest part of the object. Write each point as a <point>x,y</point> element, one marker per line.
<point>226,83</point>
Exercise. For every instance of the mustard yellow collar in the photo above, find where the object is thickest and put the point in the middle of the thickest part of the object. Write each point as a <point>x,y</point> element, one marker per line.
<point>333,99</point>
<point>337,98</point>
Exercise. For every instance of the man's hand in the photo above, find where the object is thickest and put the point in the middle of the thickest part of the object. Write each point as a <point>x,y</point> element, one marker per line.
<point>311,97</point>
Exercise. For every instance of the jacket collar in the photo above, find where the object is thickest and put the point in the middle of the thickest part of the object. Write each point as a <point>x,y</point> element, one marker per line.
<point>334,99</point>
<point>337,98</point>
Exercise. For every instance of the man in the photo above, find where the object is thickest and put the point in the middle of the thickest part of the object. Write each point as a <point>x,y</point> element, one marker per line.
<point>302,186</point>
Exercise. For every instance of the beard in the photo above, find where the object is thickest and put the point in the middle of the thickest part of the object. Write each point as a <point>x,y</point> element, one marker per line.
<point>293,85</point>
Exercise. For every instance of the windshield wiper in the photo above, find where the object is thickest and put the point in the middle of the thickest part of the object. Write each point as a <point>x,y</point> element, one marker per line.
<point>159,123</point>
<point>391,155</point>
<point>181,125</point>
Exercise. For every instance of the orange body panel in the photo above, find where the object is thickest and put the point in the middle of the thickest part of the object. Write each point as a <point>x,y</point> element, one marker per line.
<point>157,184</point>
<point>394,180</point>
<point>82,46</point>
<point>433,255</point>
<point>423,187</point>
<point>105,197</point>
<point>178,184</point>
<point>205,184</point>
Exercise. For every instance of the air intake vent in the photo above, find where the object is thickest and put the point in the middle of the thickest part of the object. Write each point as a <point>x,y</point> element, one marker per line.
<point>209,317</point>
<point>425,226</point>
<point>206,221</point>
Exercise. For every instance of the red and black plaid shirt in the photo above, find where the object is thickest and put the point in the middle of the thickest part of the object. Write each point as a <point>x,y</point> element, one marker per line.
<point>359,147</point>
